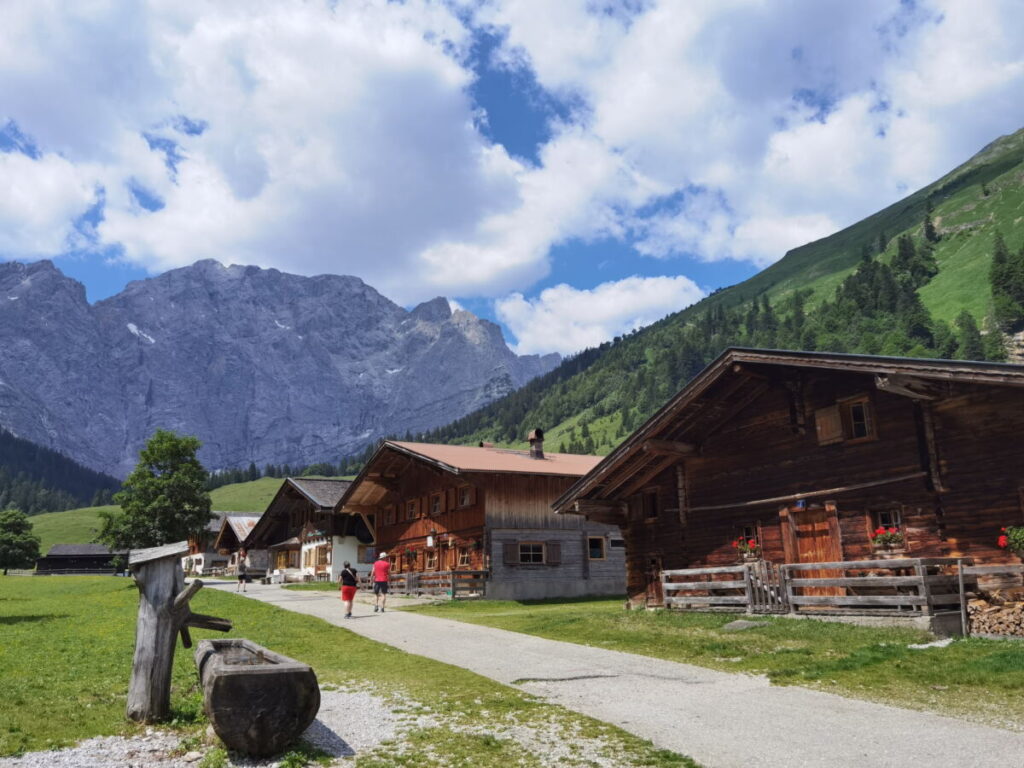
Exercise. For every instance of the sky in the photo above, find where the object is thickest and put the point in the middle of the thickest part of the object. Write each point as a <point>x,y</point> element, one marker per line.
<point>572,170</point>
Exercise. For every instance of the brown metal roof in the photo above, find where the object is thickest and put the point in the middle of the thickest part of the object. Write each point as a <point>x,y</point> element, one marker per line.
<point>700,400</point>
<point>467,458</point>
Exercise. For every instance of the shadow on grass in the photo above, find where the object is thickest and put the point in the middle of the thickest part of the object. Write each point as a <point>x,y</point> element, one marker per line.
<point>5,620</point>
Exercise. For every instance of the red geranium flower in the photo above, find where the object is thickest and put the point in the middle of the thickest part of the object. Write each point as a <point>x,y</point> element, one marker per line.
<point>1003,541</point>
<point>735,545</point>
<point>879,531</point>
<point>752,543</point>
<point>892,530</point>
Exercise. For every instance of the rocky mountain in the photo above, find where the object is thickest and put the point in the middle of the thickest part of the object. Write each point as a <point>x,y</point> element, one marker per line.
<point>261,365</point>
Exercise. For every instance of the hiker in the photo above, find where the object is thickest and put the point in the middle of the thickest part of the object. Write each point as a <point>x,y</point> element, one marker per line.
<point>381,568</point>
<point>349,584</point>
<point>241,571</point>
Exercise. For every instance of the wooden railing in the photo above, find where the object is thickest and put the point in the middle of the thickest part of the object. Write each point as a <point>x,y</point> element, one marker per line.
<point>911,585</point>
<point>455,584</point>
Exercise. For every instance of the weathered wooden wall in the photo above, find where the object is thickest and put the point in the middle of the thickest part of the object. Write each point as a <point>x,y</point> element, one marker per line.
<point>761,454</point>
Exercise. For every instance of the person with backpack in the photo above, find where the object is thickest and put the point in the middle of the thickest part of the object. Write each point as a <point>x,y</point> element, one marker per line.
<point>349,584</point>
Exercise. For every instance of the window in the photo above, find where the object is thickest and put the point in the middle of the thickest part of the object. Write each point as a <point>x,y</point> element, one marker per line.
<point>389,516</point>
<point>435,504</point>
<point>431,560</point>
<point>322,556</point>
<point>465,496</point>
<point>649,504</point>
<point>410,509</point>
<point>617,543</point>
<point>463,557</point>
<point>531,553</point>
<point>889,518</point>
<point>847,420</point>
<point>857,421</point>
<point>595,547</point>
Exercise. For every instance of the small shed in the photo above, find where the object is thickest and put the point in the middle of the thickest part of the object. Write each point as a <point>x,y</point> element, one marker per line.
<point>80,559</point>
<point>233,531</point>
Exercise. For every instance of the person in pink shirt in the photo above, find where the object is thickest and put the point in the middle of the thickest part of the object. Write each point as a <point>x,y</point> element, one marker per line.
<point>380,570</point>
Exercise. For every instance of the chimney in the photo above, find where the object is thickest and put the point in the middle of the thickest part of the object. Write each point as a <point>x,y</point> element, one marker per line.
<point>537,444</point>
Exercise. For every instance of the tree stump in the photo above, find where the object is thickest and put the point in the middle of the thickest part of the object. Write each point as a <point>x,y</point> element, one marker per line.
<point>163,613</point>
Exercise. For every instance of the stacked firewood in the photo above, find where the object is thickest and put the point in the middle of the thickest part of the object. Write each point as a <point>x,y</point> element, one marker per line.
<point>1000,612</point>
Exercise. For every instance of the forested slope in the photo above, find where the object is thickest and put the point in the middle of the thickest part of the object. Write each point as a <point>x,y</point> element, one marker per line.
<point>35,479</point>
<point>916,279</point>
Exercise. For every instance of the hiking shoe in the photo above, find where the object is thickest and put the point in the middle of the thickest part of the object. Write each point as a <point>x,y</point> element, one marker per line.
<point>375,609</point>
<point>382,610</point>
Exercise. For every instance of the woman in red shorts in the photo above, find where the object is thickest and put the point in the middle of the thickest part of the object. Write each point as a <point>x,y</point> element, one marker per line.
<point>349,582</point>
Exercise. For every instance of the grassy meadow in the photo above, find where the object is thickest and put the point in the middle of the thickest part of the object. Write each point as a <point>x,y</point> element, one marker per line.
<point>66,656</point>
<point>977,679</point>
<point>78,526</point>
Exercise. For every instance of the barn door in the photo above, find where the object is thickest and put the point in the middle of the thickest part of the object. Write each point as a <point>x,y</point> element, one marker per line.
<point>817,541</point>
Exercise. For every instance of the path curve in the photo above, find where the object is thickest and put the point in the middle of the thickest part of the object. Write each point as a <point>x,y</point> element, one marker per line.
<point>720,719</point>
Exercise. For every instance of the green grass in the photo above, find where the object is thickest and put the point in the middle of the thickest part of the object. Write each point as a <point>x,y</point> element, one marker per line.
<point>66,657</point>
<point>80,526</point>
<point>74,526</point>
<point>978,679</point>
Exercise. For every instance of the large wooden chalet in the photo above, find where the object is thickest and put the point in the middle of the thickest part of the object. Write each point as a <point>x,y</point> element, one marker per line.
<point>303,536</point>
<point>807,455</point>
<point>446,508</point>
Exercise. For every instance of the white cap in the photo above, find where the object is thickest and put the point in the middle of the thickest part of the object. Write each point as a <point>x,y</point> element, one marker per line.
<point>383,554</point>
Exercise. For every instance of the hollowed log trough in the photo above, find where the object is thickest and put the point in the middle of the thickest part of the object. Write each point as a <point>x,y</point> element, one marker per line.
<point>258,701</point>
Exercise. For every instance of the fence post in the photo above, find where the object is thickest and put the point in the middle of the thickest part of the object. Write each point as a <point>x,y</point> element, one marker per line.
<point>786,583</point>
<point>925,588</point>
<point>965,625</point>
<point>748,587</point>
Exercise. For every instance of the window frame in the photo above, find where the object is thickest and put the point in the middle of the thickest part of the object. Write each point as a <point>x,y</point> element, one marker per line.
<point>590,548</point>
<point>464,497</point>
<point>436,507</point>
<point>430,560</point>
<point>651,492</point>
<point>410,509</point>
<point>462,560</point>
<point>532,555</point>
<point>846,406</point>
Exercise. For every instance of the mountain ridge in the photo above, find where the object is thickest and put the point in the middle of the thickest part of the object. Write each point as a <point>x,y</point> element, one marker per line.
<point>263,366</point>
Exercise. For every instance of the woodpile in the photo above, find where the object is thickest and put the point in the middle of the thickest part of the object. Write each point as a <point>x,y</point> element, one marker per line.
<point>997,613</point>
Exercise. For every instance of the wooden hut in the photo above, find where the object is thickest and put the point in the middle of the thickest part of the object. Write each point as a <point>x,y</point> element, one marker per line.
<point>234,529</point>
<point>304,538</point>
<point>807,455</point>
<point>446,509</point>
<point>81,559</point>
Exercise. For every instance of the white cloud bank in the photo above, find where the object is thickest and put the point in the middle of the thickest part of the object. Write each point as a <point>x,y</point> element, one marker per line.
<point>566,319</point>
<point>342,137</point>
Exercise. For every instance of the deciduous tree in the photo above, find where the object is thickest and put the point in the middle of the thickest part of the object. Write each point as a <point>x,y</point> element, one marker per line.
<point>164,498</point>
<point>19,547</point>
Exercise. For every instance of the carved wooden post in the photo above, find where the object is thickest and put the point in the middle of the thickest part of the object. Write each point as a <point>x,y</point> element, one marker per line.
<point>163,612</point>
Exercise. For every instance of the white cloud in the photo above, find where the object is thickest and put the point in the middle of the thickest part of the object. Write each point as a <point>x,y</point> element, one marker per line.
<point>342,137</point>
<point>39,201</point>
<point>566,319</point>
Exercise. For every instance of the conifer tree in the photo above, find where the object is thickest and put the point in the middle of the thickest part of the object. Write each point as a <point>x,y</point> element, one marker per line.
<point>971,346</point>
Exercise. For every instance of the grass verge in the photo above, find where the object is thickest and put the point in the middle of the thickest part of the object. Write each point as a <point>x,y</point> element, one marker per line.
<point>981,680</point>
<point>66,656</point>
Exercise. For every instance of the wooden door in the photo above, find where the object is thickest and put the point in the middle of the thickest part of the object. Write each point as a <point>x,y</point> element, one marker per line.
<point>817,541</point>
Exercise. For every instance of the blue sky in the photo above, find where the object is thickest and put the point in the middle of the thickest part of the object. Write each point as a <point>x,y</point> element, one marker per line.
<point>571,170</point>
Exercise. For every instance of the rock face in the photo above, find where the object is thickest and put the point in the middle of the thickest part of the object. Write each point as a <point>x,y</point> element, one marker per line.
<point>261,365</point>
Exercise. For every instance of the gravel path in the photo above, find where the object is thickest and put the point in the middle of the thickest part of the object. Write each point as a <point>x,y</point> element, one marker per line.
<point>722,720</point>
<point>348,723</point>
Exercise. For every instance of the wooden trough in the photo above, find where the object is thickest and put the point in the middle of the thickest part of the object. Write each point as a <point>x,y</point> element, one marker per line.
<point>258,701</point>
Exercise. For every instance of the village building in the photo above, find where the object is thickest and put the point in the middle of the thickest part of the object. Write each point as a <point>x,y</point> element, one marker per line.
<point>301,534</point>
<point>450,508</point>
<point>802,457</point>
<point>233,531</point>
<point>81,559</point>
<point>203,557</point>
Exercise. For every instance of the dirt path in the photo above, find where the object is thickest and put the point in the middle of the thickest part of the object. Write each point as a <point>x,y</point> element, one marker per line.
<point>722,720</point>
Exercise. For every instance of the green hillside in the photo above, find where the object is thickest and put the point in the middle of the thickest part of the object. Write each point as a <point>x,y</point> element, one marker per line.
<point>77,526</point>
<point>881,286</point>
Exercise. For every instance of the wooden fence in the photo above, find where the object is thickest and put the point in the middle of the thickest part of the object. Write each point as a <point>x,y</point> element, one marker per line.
<point>455,584</point>
<point>907,586</point>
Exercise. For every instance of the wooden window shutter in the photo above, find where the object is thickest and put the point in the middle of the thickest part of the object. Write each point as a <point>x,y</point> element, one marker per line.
<point>472,495</point>
<point>828,423</point>
<point>453,500</point>
<point>510,552</point>
<point>554,553</point>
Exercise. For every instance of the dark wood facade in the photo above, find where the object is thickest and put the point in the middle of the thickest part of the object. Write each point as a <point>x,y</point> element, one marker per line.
<point>807,454</point>
<point>451,508</point>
